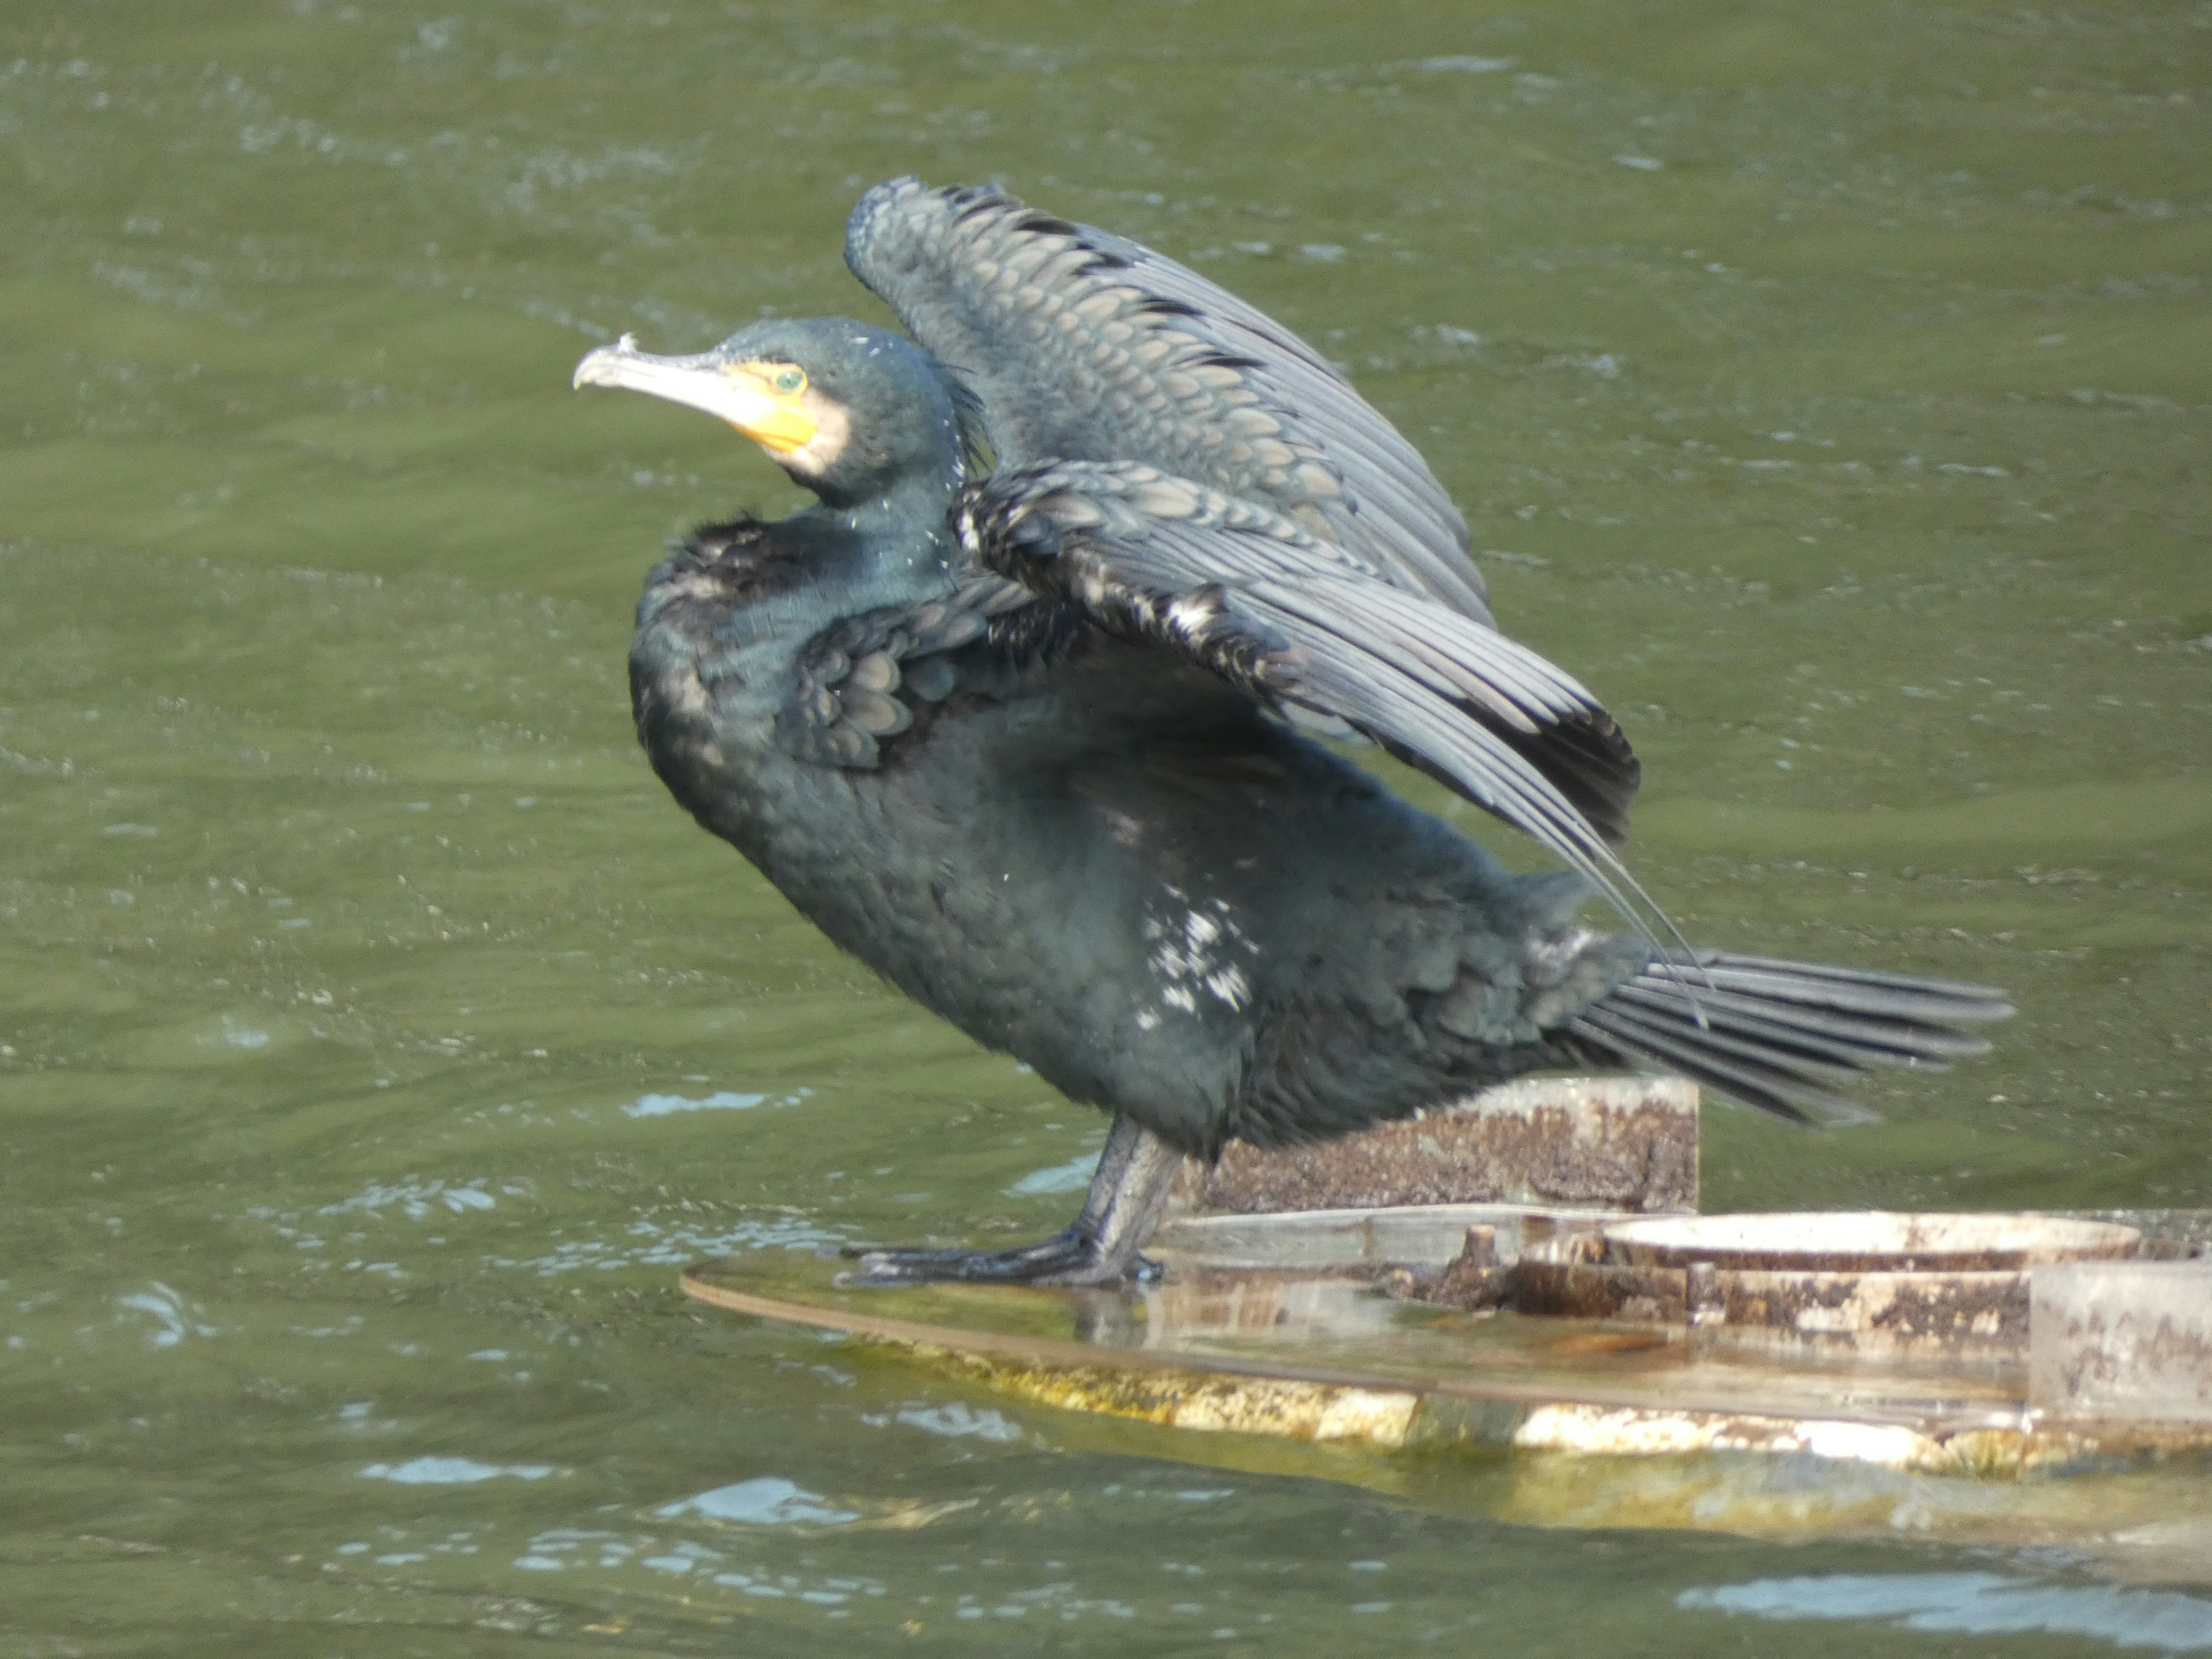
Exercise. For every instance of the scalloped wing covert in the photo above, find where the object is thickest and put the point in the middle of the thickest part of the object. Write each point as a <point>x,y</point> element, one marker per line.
<point>1083,345</point>
<point>863,680</point>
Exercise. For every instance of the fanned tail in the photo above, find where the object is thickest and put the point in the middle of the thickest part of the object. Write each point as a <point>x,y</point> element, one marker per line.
<point>1777,1035</point>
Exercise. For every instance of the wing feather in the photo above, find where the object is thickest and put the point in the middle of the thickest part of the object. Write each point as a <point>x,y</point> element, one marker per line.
<point>1083,345</point>
<point>1298,623</point>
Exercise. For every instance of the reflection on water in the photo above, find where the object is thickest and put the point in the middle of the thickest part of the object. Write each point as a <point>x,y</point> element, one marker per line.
<point>416,1199</point>
<point>452,1472</point>
<point>173,1318</point>
<point>722,1100</point>
<point>768,1502</point>
<point>957,1421</point>
<point>1826,387</point>
<point>665,1246</point>
<point>1977,1604</point>
<point>1072,1177</point>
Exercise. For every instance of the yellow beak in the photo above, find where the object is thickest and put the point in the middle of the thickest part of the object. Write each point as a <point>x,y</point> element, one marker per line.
<point>740,393</point>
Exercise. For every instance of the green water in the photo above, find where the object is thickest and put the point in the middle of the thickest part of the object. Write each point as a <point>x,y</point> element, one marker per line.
<point>1829,388</point>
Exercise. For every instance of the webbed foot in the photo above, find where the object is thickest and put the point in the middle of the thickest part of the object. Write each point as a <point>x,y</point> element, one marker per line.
<point>1066,1258</point>
<point>1100,1247</point>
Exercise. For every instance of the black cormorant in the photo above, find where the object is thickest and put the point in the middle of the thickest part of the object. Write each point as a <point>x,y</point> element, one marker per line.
<point>1024,714</point>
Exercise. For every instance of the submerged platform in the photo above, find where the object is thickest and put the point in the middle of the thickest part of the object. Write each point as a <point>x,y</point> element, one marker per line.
<point>1568,1422</point>
<point>1321,1352</point>
<point>1754,1373</point>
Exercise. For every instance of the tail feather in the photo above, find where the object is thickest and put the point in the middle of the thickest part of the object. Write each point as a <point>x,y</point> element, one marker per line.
<point>1851,1040</point>
<point>1775,1034</point>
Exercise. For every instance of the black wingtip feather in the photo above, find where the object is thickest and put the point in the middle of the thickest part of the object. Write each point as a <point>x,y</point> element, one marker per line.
<point>1589,762</point>
<point>1774,1035</point>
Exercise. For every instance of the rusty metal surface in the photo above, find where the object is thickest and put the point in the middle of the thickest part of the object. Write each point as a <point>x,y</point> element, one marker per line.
<point>2131,1341</point>
<point>1929,1314</point>
<point>1625,1144</point>
<point>1756,1281</point>
<point>1479,1278</point>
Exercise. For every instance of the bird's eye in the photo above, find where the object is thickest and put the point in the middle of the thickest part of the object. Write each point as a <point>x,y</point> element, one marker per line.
<point>790,380</point>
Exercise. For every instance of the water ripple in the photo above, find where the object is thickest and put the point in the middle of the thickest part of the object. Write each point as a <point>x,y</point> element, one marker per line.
<point>1976,1603</point>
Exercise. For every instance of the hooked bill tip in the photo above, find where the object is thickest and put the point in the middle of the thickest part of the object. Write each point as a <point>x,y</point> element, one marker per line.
<point>600,364</point>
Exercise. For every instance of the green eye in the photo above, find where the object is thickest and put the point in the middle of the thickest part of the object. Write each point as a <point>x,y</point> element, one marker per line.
<point>789,379</point>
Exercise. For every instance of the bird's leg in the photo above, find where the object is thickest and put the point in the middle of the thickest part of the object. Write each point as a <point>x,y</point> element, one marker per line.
<point>1099,1247</point>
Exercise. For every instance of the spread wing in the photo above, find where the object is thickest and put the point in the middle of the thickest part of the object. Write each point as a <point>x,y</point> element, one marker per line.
<point>1305,627</point>
<point>1085,346</point>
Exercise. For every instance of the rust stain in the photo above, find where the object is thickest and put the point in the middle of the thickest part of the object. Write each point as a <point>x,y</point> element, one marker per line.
<point>1949,1313</point>
<point>1624,1144</point>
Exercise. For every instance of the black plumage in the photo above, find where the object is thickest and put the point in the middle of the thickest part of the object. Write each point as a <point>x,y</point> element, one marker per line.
<point>1025,713</point>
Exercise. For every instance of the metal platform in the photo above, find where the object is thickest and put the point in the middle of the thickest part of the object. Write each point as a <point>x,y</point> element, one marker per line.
<point>1620,1362</point>
<point>1316,1351</point>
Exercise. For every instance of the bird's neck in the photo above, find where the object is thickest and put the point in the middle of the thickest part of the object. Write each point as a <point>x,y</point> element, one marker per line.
<point>906,548</point>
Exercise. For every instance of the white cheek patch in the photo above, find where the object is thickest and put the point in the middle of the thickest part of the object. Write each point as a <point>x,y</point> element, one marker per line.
<point>833,430</point>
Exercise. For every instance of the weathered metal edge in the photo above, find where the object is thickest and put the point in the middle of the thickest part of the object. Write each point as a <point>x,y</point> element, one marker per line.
<point>1251,1396</point>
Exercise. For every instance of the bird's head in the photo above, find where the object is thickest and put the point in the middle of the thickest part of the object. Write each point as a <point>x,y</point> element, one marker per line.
<point>851,411</point>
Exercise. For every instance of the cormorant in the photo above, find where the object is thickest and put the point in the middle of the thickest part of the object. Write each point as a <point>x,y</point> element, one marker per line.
<point>1024,714</point>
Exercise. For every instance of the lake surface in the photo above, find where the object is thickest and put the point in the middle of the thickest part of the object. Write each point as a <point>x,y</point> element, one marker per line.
<point>1829,389</point>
